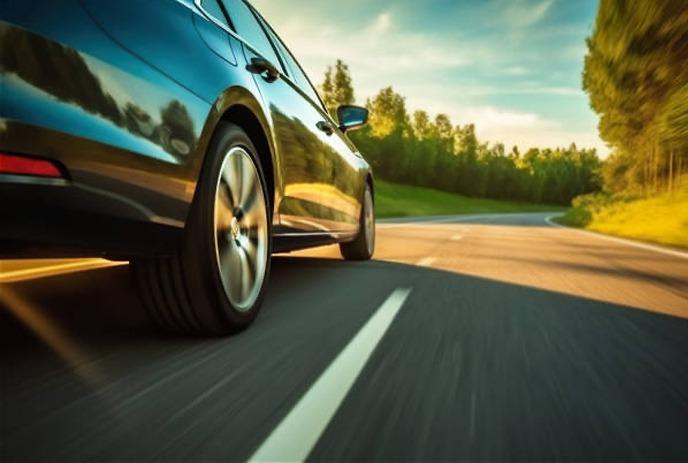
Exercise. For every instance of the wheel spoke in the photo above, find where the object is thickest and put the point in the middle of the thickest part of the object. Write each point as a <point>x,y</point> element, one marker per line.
<point>227,254</point>
<point>255,215</point>
<point>248,201</point>
<point>249,184</point>
<point>250,246</point>
<point>232,175</point>
<point>236,275</point>
<point>223,209</point>
<point>248,273</point>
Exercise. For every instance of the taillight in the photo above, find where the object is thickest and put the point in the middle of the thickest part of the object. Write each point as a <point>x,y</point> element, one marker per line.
<point>20,165</point>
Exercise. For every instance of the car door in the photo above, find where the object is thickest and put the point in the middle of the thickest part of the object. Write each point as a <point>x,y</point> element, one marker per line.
<point>301,142</point>
<point>340,196</point>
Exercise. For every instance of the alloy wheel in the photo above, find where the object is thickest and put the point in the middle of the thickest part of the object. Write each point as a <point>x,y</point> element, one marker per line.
<point>241,229</point>
<point>369,220</point>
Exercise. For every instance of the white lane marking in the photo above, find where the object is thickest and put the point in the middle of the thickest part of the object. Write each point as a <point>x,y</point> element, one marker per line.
<point>426,262</point>
<point>296,435</point>
<point>649,247</point>
<point>447,219</point>
<point>457,237</point>
<point>51,270</point>
<point>421,222</point>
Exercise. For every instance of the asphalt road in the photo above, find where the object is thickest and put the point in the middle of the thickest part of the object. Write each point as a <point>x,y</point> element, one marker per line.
<point>474,338</point>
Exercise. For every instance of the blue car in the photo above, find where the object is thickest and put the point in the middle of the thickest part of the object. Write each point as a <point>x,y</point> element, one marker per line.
<point>180,135</point>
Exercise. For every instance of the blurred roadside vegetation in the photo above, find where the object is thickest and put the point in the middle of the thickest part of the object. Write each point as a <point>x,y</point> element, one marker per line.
<point>660,218</point>
<point>636,73</point>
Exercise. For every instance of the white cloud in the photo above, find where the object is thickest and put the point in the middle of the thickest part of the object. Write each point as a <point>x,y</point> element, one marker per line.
<point>382,23</point>
<point>510,127</point>
<point>564,91</point>
<point>521,14</point>
<point>491,118</point>
<point>544,90</point>
<point>377,53</point>
<point>424,68</point>
<point>528,130</point>
<point>515,71</point>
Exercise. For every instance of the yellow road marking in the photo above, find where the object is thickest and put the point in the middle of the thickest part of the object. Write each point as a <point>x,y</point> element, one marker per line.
<point>58,269</point>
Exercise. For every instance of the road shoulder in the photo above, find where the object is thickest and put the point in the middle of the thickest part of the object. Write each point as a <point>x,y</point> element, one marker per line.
<point>629,242</point>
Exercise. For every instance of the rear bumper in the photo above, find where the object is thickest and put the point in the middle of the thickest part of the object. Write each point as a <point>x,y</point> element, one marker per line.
<point>109,202</point>
<point>57,218</point>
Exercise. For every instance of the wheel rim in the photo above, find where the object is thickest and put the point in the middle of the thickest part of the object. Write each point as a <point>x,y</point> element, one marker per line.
<point>369,219</point>
<point>241,229</point>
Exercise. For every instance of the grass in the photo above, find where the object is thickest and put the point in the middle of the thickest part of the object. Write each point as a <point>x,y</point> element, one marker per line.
<point>659,219</point>
<point>395,200</point>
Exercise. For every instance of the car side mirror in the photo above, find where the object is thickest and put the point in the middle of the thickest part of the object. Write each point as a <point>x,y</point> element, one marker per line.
<point>351,117</point>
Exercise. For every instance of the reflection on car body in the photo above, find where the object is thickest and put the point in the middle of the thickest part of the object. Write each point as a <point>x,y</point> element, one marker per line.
<point>192,145</point>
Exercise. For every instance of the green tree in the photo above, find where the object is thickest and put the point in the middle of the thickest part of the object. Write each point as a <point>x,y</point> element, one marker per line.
<point>422,127</point>
<point>327,92</point>
<point>431,151</point>
<point>337,88</point>
<point>388,113</point>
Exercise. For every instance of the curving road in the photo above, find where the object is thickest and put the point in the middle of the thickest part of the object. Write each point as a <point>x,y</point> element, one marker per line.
<point>491,337</point>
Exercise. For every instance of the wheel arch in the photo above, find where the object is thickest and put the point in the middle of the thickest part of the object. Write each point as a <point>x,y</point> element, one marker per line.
<point>239,106</point>
<point>243,117</point>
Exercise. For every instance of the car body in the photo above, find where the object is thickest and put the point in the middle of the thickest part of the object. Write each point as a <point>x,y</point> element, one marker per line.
<point>108,112</point>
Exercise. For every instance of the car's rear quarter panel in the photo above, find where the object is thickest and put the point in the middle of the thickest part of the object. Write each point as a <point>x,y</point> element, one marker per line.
<point>127,132</point>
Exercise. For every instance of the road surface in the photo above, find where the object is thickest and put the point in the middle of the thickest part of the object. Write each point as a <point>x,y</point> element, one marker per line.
<point>493,337</point>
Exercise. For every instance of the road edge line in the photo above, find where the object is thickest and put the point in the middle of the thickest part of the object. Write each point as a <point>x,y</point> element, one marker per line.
<point>626,241</point>
<point>456,218</point>
<point>449,219</point>
<point>426,261</point>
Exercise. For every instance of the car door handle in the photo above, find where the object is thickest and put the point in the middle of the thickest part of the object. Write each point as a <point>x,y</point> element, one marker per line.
<point>263,66</point>
<point>325,127</point>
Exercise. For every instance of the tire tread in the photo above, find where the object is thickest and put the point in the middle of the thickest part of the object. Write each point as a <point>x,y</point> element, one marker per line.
<point>178,290</point>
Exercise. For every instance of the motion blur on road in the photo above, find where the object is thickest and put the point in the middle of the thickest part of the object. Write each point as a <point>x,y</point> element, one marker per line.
<point>505,338</point>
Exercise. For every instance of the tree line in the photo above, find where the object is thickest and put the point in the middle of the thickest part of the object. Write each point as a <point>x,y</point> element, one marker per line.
<point>421,150</point>
<point>636,75</point>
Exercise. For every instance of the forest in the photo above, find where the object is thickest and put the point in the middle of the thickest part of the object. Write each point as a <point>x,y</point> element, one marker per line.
<point>422,150</point>
<point>636,75</point>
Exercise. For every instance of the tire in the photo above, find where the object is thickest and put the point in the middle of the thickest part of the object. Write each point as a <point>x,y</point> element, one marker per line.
<point>214,284</point>
<point>363,246</point>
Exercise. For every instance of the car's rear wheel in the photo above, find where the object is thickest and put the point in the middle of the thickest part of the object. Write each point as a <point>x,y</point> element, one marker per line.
<point>215,283</point>
<point>363,247</point>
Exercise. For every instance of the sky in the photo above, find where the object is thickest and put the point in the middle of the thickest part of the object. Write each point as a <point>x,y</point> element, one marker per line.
<point>511,67</point>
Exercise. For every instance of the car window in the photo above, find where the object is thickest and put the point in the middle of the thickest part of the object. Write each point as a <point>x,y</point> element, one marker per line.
<point>246,25</point>
<point>284,54</point>
<point>295,71</point>
<point>212,7</point>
